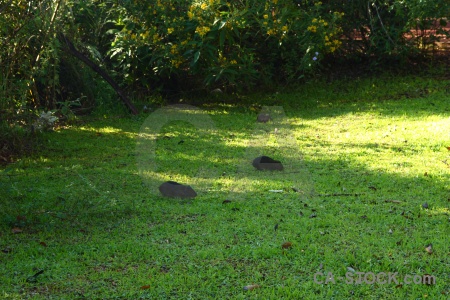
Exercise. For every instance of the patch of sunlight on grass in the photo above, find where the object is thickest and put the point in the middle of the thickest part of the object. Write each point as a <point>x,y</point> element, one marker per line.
<point>351,196</point>
<point>439,211</point>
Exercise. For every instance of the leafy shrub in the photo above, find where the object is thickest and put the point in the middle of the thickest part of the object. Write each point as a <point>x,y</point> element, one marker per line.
<point>29,68</point>
<point>173,45</point>
<point>391,29</point>
<point>234,43</point>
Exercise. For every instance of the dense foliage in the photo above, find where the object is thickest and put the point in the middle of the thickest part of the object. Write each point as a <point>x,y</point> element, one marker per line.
<point>392,29</point>
<point>166,46</point>
<point>218,42</point>
<point>28,60</point>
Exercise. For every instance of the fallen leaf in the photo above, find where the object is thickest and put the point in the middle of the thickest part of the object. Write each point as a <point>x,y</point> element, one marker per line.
<point>251,287</point>
<point>21,218</point>
<point>33,278</point>
<point>429,248</point>
<point>448,148</point>
<point>16,230</point>
<point>393,201</point>
<point>164,269</point>
<point>216,91</point>
<point>43,244</point>
<point>6,250</point>
<point>286,245</point>
<point>404,215</point>
<point>145,287</point>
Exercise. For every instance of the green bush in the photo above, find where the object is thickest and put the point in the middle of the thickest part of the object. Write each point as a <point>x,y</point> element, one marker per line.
<point>243,43</point>
<point>220,43</point>
<point>390,29</point>
<point>29,70</point>
<point>154,45</point>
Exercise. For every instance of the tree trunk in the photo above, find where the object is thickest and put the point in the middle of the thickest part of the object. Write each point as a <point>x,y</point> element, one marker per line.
<point>70,48</point>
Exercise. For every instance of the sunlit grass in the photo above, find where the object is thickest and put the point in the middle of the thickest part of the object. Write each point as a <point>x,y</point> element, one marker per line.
<point>362,160</point>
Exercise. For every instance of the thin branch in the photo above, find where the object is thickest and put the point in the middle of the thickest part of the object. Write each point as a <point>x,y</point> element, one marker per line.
<point>52,19</point>
<point>4,6</point>
<point>338,194</point>
<point>382,25</point>
<point>70,48</point>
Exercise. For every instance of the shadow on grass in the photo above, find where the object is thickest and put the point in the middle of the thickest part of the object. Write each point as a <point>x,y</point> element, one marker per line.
<point>93,170</point>
<point>101,158</point>
<point>85,198</point>
<point>411,96</point>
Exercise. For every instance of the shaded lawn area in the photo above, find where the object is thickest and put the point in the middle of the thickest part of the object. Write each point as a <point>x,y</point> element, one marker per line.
<point>368,157</point>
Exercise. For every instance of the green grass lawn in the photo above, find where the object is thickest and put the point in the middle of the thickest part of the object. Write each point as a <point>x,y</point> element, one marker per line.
<point>361,159</point>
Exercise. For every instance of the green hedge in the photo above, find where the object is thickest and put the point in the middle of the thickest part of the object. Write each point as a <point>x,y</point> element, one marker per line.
<point>243,43</point>
<point>151,44</point>
<point>238,43</point>
<point>387,29</point>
